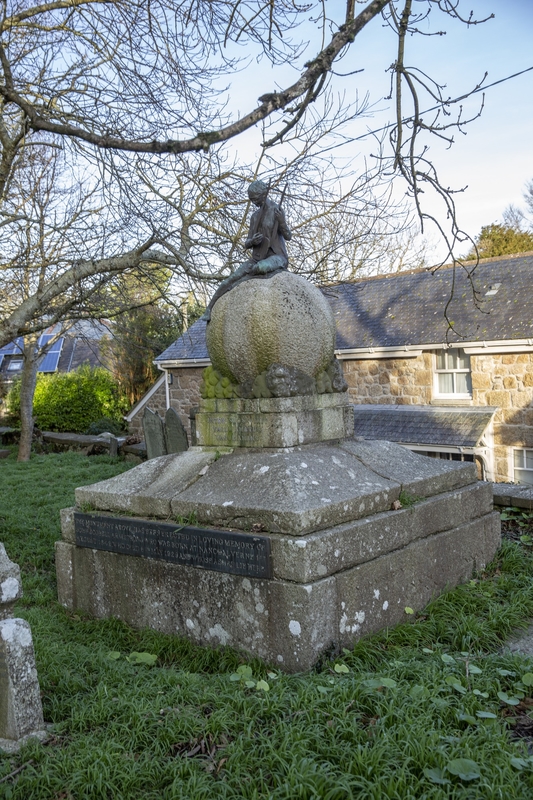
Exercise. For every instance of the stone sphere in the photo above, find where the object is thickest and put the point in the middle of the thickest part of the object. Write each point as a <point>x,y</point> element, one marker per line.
<point>279,320</point>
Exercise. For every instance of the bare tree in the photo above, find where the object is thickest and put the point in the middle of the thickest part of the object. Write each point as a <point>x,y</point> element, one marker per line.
<point>195,216</point>
<point>152,78</point>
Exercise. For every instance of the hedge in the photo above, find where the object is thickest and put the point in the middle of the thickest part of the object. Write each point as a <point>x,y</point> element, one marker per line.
<point>71,401</point>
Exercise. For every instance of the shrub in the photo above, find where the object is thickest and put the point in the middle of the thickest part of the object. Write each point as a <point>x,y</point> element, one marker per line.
<point>71,401</point>
<point>106,425</point>
<point>12,402</point>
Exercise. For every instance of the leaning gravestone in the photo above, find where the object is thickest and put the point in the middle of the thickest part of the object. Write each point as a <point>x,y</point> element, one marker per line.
<point>176,435</point>
<point>21,714</point>
<point>154,434</point>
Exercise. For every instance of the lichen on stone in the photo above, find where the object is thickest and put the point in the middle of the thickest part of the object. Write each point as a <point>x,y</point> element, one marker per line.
<point>331,379</point>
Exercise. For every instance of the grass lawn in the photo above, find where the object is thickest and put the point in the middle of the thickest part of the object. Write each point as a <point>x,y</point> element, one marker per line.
<point>429,709</point>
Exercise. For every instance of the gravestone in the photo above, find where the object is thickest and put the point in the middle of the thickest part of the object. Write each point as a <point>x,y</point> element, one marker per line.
<point>21,714</point>
<point>154,434</point>
<point>176,435</point>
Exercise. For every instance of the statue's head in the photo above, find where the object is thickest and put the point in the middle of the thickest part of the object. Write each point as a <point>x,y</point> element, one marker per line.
<point>257,191</point>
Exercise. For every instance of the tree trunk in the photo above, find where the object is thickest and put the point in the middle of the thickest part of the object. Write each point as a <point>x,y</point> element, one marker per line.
<point>27,390</point>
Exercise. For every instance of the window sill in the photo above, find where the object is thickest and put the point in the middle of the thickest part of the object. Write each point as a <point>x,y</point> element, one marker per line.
<point>452,401</point>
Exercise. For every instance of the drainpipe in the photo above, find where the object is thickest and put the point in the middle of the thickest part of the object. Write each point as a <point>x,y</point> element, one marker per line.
<point>168,381</point>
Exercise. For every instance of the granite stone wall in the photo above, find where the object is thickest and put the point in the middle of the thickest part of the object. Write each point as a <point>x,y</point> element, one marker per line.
<point>157,402</point>
<point>400,381</point>
<point>506,381</point>
<point>184,394</point>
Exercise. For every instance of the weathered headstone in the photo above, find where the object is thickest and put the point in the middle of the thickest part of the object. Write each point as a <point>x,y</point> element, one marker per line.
<point>154,434</point>
<point>10,584</point>
<point>21,713</point>
<point>113,446</point>
<point>176,435</point>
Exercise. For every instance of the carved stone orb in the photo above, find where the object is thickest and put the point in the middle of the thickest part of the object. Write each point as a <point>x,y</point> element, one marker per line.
<point>263,321</point>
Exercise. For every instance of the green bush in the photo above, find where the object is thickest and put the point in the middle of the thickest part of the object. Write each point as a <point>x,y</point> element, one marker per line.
<point>106,425</point>
<point>71,401</point>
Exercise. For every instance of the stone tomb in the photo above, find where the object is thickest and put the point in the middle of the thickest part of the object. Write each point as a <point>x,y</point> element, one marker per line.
<point>296,549</point>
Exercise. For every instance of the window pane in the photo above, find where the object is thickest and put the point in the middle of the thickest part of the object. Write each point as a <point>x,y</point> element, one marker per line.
<point>441,360</point>
<point>524,476</point>
<point>519,458</point>
<point>463,361</point>
<point>462,383</point>
<point>445,383</point>
<point>529,459</point>
<point>452,359</point>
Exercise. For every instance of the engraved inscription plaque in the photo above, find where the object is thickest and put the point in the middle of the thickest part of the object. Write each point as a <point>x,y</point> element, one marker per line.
<point>222,551</point>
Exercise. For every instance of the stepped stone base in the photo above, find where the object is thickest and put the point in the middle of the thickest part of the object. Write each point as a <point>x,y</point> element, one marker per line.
<point>274,422</point>
<point>342,561</point>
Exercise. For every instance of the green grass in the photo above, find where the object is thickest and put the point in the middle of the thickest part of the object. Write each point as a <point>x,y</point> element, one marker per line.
<point>394,718</point>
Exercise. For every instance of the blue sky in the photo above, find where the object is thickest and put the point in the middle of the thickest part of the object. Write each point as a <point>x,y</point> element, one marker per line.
<point>495,157</point>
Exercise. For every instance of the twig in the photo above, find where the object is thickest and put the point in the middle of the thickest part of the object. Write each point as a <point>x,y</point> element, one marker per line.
<point>16,771</point>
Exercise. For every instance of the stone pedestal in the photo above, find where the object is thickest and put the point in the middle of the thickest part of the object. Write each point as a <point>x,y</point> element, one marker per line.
<point>338,559</point>
<point>274,422</point>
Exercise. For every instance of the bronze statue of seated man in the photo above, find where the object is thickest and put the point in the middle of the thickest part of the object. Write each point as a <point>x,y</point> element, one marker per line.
<point>266,238</point>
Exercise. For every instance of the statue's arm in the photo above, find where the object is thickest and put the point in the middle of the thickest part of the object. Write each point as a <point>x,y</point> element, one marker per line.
<point>254,238</point>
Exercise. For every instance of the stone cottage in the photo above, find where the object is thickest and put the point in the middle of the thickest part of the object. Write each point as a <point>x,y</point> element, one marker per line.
<point>440,361</point>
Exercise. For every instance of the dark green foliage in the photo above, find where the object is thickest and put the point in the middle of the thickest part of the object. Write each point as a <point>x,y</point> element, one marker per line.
<point>71,401</point>
<point>139,336</point>
<point>501,239</point>
<point>413,713</point>
<point>106,425</point>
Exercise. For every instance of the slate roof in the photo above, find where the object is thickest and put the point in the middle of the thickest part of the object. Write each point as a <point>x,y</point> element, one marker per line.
<point>408,308</point>
<point>191,344</point>
<point>431,425</point>
<point>81,344</point>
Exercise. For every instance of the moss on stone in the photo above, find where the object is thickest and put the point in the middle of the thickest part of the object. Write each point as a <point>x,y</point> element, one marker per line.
<point>215,385</point>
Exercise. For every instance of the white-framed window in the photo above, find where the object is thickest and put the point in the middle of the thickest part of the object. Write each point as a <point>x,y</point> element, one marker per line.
<point>452,374</point>
<point>445,456</point>
<point>14,364</point>
<point>523,465</point>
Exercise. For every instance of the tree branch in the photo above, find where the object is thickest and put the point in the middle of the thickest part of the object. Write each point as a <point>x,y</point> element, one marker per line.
<point>269,103</point>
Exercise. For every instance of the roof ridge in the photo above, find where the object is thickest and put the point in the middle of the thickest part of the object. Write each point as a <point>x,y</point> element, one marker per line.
<point>432,270</point>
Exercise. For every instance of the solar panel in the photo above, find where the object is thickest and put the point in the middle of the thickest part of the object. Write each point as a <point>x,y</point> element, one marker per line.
<point>12,348</point>
<point>51,358</point>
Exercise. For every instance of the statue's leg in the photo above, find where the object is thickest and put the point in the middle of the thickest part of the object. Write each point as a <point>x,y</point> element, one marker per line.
<point>271,264</point>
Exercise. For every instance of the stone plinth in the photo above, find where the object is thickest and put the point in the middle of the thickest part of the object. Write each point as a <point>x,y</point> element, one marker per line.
<point>343,563</point>
<point>274,422</point>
